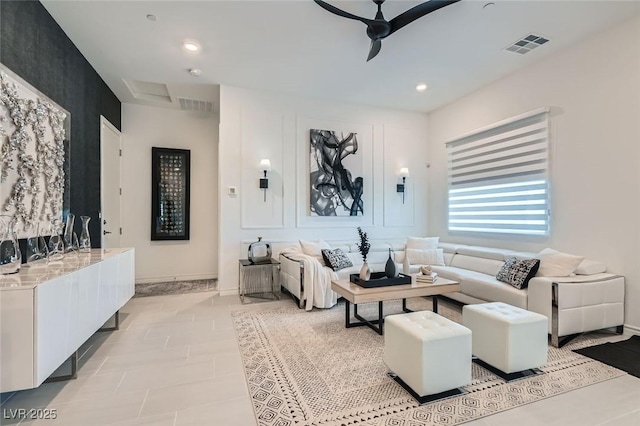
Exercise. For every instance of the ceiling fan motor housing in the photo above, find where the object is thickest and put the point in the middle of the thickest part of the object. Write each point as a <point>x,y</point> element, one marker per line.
<point>378,29</point>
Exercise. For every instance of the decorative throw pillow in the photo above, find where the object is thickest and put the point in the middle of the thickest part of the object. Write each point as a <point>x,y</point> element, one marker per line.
<point>425,257</point>
<point>518,272</point>
<point>503,273</point>
<point>314,249</point>
<point>590,267</point>
<point>556,264</point>
<point>336,259</point>
<point>418,243</point>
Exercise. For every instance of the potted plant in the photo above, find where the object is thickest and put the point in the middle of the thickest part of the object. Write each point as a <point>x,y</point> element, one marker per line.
<point>363,247</point>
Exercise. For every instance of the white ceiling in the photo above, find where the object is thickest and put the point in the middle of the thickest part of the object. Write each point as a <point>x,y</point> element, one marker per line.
<point>298,48</point>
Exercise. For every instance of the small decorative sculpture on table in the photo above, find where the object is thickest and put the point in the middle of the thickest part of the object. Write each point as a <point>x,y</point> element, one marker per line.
<point>390,269</point>
<point>259,251</point>
<point>363,247</point>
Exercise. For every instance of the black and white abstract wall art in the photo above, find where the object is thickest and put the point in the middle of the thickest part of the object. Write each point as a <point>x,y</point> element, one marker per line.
<point>336,168</point>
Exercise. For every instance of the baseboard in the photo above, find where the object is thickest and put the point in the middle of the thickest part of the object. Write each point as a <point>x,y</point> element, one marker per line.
<point>175,278</point>
<point>229,292</point>
<point>631,330</point>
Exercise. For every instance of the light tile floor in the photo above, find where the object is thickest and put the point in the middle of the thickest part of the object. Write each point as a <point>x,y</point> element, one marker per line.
<point>175,361</point>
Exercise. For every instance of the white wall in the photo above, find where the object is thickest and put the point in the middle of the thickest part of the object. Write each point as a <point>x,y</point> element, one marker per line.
<point>257,124</point>
<point>144,127</point>
<point>594,91</point>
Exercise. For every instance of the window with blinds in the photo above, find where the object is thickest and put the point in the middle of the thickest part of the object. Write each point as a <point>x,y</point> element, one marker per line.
<point>498,177</point>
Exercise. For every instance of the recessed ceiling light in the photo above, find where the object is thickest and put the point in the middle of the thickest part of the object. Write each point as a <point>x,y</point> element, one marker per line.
<point>195,72</point>
<point>489,5</point>
<point>191,45</point>
<point>152,17</point>
<point>421,87</point>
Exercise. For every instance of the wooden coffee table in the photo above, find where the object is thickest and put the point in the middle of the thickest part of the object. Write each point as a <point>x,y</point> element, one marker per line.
<point>355,294</point>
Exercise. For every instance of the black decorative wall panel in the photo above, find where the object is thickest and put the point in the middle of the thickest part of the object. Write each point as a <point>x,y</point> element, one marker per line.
<point>35,47</point>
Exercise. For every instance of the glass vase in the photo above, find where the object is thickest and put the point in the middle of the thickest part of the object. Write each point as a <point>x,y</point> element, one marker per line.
<point>10,255</point>
<point>85,238</point>
<point>70,238</point>
<point>36,247</point>
<point>56,241</point>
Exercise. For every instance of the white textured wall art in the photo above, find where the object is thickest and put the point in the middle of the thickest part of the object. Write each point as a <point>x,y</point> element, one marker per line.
<point>32,155</point>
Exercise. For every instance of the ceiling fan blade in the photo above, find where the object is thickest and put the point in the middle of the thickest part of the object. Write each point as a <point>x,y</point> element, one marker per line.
<point>340,12</point>
<point>376,45</point>
<point>416,12</point>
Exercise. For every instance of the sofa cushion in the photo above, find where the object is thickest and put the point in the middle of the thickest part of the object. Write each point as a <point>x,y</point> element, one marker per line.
<point>485,252</point>
<point>557,264</point>
<point>453,273</point>
<point>450,247</point>
<point>590,267</point>
<point>478,264</point>
<point>482,286</point>
<point>336,259</point>
<point>378,257</point>
<point>518,272</point>
<point>311,248</point>
<point>448,257</point>
<point>522,255</point>
<point>343,274</point>
<point>425,257</point>
<point>422,243</point>
<point>489,288</point>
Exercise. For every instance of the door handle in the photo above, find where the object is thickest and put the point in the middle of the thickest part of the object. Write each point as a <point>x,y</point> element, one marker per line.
<point>106,232</point>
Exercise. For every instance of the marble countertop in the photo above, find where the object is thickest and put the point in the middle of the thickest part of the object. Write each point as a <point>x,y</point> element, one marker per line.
<point>30,276</point>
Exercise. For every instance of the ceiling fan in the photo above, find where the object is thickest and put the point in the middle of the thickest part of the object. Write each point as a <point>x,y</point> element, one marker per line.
<point>379,28</point>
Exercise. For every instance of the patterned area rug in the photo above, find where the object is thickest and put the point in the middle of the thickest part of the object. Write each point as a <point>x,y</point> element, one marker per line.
<point>175,287</point>
<point>305,368</point>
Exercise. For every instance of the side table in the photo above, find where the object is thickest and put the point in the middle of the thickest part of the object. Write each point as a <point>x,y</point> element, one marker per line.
<point>259,279</point>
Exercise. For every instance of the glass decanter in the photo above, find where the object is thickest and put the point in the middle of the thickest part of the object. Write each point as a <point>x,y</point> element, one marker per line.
<point>10,255</point>
<point>36,246</point>
<point>70,237</point>
<point>85,238</point>
<point>56,241</point>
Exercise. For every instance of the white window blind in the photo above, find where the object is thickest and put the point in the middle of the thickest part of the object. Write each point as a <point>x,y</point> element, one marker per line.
<point>498,177</point>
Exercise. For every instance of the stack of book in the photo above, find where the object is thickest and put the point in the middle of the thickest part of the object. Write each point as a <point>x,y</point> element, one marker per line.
<point>427,278</point>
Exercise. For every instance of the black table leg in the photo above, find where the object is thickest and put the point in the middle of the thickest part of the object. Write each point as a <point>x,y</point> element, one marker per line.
<point>347,313</point>
<point>404,306</point>
<point>435,303</point>
<point>363,321</point>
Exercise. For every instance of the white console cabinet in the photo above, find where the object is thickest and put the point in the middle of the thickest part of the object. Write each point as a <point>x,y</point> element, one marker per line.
<point>48,311</point>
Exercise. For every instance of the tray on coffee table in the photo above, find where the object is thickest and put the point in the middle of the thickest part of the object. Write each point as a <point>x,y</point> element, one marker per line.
<point>379,279</point>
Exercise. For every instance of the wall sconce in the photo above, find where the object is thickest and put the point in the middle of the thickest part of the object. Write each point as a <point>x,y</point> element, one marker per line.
<point>265,166</point>
<point>404,174</point>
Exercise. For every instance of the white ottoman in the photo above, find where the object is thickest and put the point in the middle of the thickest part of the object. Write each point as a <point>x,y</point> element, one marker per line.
<point>428,352</point>
<point>508,338</point>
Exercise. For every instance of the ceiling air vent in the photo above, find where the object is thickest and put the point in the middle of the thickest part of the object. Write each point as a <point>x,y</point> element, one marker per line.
<point>195,105</point>
<point>527,44</point>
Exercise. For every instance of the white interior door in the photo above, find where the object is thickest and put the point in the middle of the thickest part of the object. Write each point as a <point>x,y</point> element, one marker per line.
<point>110,184</point>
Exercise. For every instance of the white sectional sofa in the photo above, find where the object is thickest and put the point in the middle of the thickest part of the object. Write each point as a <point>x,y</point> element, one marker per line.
<point>591,299</point>
<point>292,274</point>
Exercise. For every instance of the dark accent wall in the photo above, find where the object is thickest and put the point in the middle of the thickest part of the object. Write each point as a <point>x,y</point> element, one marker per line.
<point>34,46</point>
